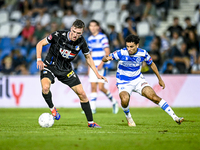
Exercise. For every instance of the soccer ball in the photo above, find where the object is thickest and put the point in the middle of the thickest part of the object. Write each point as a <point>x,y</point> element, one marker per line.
<point>46,120</point>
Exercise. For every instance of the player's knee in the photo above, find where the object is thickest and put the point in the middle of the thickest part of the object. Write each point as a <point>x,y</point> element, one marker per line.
<point>101,88</point>
<point>45,88</point>
<point>82,95</point>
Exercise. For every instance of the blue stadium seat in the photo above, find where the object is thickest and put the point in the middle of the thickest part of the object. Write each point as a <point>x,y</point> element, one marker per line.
<point>33,68</point>
<point>5,43</point>
<point>31,55</point>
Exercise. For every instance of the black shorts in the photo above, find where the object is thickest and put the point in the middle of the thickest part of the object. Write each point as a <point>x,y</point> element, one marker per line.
<point>69,78</point>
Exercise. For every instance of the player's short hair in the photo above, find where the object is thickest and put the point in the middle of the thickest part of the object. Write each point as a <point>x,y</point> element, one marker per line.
<point>95,21</point>
<point>79,24</point>
<point>132,38</point>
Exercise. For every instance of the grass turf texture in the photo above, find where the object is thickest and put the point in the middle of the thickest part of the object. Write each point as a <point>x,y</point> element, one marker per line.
<point>19,130</point>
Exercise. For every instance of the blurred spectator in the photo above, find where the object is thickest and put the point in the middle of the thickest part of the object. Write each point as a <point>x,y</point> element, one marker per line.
<point>169,69</point>
<point>7,66</point>
<point>181,58</point>
<point>68,19</point>
<point>56,19</point>
<point>136,9</point>
<point>189,25</point>
<point>43,18</point>
<point>27,33</point>
<point>79,7</point>
<point>54,27</point>
<point>22,69</point>
<point>39,32</point>
<point>39,7</point>
<point>176,4</point>
<point>150,14</point>
<point>175,27</point>
<point>115,39</point>
<point>129,28</point>
<point>155,54</point>
<point>68,5</point>
<point>176,40</point>
<point>195,69</point>
<point>162,9</point>
<point>25,6</point>
<point>8,4</point>
<point>17,58</point>
<point>28,16</point>
<point>85,16</point>
<point>192,41</point>
<point>165,47</point>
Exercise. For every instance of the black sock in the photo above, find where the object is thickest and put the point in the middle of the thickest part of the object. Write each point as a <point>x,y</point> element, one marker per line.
<point>86,108</point>
<point>48,99</point>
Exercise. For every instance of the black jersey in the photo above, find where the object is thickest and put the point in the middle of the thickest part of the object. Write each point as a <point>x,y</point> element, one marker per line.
<point>62,50</point>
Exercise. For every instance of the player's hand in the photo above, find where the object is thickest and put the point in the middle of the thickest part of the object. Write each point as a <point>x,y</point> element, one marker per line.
<point>109,58</point>
<point>102,77</point>
<point>40,65</point>
<point>161,83</point>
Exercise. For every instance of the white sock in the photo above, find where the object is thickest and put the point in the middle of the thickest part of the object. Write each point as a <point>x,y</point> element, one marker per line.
<point>127,112</point>
<point>93,98</point>
<point>164,105</point>
<point>109,95</point>
<point>52,108</point>
<point>90,122</point>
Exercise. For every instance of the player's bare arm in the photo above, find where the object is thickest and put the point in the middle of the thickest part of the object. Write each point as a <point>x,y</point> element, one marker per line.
<point>107,58</point>
<point>155,70</point>
<point>39,46</point>
<point>90,62</point>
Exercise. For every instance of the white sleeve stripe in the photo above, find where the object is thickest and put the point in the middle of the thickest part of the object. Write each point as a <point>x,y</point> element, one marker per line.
<point>47,40</point>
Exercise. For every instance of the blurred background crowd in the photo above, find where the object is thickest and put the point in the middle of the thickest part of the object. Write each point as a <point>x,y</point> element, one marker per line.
<point>169,30</point>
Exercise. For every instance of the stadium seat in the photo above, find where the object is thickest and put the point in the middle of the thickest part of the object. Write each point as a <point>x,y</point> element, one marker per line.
<point>23,51</point>
<point>4,17</point>
<point>99,16</point>
<point>111,17</point>
<point>33,68</point>
<point>123,2</point>
<point>15,30</point>
<point>143,29</point>
<point>31,55</point>
<point>15,15</point>
<point>96,5</point>
<point>111,5</point>
<point>5,43</point>
<point>5,30</point>
<point>123,15</point>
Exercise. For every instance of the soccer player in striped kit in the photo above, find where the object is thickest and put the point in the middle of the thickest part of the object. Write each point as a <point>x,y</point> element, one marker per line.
<point>130,78</point>
<point>99,47</point>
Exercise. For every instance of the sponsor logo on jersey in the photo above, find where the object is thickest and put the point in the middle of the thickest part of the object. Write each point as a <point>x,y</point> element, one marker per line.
<point>50,37</point>
<point>66,53</point>
<point>70,74</point>
<point>45,72</point>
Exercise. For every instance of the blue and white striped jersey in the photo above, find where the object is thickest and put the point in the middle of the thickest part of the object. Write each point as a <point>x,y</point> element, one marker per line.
<point>129,66</point>
<point>96,45</point>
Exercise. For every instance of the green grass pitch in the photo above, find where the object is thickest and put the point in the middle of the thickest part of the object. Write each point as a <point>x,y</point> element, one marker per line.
<point>19,130</point>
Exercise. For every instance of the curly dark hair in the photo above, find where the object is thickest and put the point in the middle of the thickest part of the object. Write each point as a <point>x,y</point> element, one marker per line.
<point>132,38</point>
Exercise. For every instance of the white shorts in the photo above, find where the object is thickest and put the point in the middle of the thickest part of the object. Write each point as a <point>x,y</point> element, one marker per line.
<point>93,77</point>
<point>134,86</point>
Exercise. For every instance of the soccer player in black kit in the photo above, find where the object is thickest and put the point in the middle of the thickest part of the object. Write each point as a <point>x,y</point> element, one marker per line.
<point>65,45</point>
